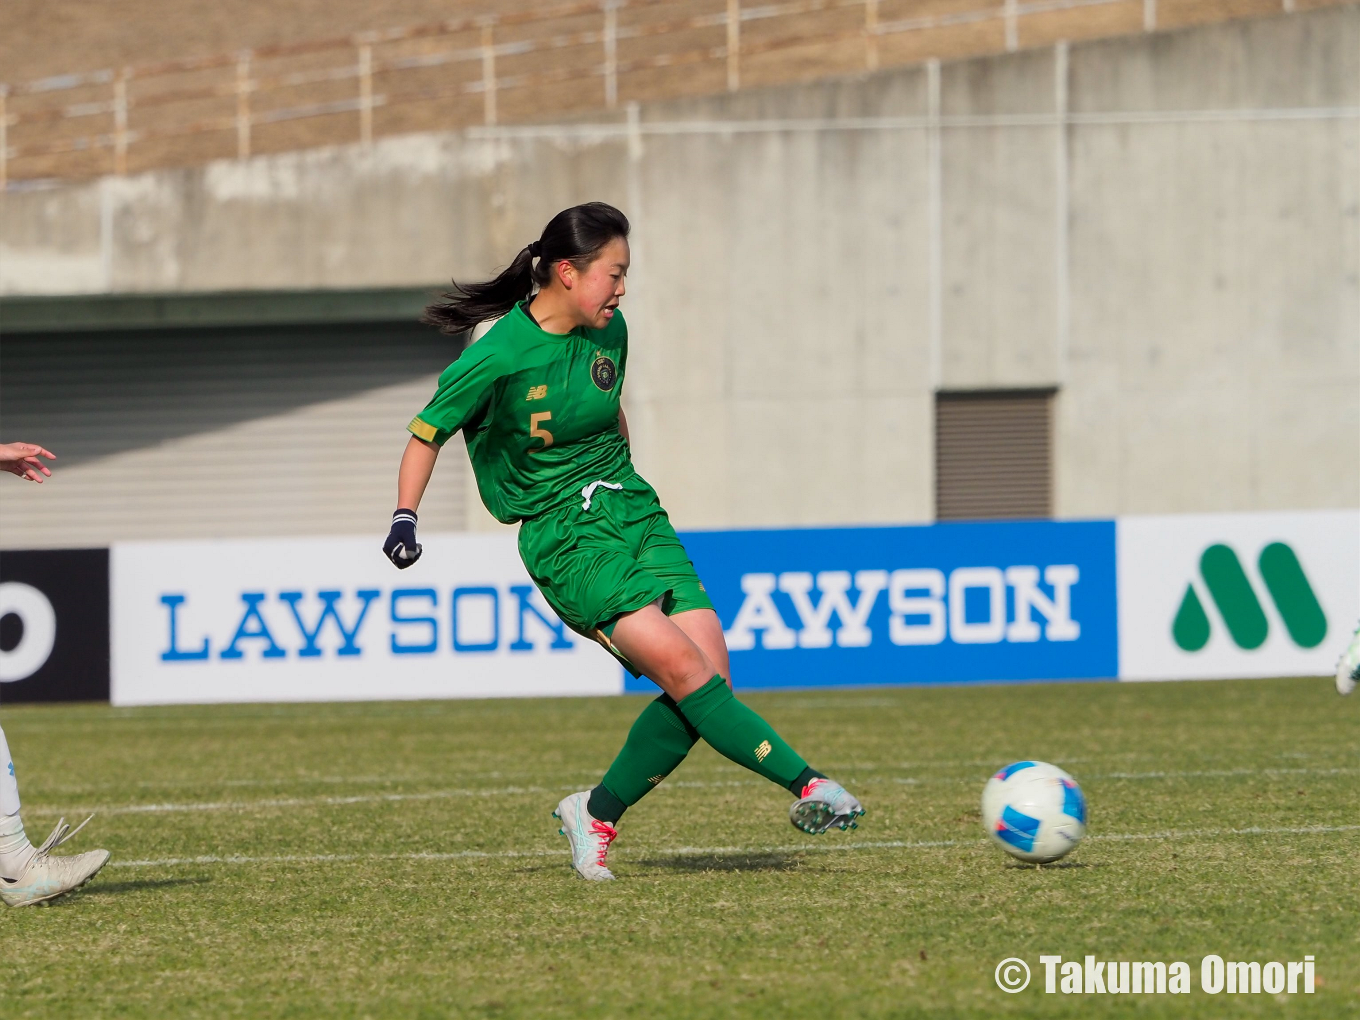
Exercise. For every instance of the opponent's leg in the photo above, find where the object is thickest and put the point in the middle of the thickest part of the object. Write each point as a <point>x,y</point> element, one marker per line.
<point>28,874</point>
<point>1348,666</point>
<point>15,849</point>
<point>666,654</point>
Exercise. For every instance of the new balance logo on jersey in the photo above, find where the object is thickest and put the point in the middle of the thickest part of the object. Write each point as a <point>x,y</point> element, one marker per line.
<point>763,751</point>
<point>1239,605</point>
<point>537,392</point>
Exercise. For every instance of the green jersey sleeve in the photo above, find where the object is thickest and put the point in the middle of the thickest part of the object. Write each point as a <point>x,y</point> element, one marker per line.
<point>464,394</point>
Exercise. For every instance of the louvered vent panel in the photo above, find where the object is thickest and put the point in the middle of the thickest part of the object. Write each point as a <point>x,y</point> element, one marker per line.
<point>211,433</point>
<point>993,455</point>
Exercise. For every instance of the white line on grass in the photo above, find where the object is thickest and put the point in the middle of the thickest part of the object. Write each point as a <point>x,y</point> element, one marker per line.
<point>505,791</point>
<point>1226,773</point>
<point>364,798</point>
<point>701,851</point>
<point>1185,774</point>
<point>1253,830</point>
<point>281,802</point>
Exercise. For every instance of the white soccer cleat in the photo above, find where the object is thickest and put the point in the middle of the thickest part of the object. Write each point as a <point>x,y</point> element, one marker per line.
<point>48,877</point>
<point>589,837</point>
<point>1348,669</point>
<point>824,805</point>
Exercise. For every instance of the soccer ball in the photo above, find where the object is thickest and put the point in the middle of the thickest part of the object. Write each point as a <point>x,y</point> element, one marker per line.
<point>1034,811</point>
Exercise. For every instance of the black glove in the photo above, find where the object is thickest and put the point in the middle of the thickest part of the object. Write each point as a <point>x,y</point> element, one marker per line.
<point>401,546</point>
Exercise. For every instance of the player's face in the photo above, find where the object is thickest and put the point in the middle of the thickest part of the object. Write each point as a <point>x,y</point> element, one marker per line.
<point>598,290</point>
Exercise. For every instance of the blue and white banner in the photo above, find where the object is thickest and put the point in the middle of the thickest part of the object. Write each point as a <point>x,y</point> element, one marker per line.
<point>944,603</point>
<point>1175,597</point>
<point>330,619</point>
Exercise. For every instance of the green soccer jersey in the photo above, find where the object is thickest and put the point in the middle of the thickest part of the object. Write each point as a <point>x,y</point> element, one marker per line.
<point>540,412</point>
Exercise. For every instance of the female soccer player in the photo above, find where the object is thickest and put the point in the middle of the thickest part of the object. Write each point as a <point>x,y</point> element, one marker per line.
<point>537,399</point>
<point>30,874</point>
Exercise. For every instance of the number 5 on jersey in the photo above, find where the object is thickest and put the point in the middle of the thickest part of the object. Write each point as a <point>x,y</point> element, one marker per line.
<point>536,432</point>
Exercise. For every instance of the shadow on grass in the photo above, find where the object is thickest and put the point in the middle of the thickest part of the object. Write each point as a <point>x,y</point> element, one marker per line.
<point>563,866</point>
<point>726,862</point>
<point>139,885</point>
<point>1022,866</point>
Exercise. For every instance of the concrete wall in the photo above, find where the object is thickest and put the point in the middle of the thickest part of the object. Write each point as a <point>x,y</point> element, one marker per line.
<point>1166,228</point>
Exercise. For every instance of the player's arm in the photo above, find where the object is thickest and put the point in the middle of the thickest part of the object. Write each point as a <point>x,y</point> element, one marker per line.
<point>463,396</point>
<point>417,464</point>
<point>22,459</point>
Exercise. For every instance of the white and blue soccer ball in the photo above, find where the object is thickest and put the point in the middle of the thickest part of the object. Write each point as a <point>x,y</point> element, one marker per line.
<point>1034,811</point>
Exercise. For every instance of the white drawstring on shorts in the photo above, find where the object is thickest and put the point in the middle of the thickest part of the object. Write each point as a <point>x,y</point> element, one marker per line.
<point>589,491</point>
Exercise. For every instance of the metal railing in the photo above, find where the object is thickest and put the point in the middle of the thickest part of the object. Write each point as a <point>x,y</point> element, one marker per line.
<point>85,124</point>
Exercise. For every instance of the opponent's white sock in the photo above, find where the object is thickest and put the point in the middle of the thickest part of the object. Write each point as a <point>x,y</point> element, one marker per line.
<point>15,849</point>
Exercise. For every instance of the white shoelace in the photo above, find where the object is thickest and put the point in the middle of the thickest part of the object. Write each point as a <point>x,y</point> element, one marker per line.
<point>589,491</point>
<point>60,835</point>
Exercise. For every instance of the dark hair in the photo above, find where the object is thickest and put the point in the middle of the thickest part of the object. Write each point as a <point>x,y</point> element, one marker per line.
<point>577,234</point>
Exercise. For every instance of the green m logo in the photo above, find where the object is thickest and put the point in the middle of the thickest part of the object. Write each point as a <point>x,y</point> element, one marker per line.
<point>1241,610</point>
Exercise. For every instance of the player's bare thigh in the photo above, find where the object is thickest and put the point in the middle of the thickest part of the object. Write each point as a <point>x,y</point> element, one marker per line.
<point>661,651</point>
<point>705,629</point>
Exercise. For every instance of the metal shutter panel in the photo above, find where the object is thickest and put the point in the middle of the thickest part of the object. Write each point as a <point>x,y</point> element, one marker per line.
<point>993,455</point>
<point>226,432</point>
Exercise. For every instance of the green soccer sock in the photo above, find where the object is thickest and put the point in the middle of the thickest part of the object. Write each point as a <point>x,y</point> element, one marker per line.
<point>738,733</point>
<point>657,743</point>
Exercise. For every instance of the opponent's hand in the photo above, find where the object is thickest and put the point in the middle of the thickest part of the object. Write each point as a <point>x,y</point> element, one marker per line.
<point>401,546</point>
<point>22,459</point>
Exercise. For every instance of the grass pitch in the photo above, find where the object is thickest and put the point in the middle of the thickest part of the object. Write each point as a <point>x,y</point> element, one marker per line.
<point>398,860</point>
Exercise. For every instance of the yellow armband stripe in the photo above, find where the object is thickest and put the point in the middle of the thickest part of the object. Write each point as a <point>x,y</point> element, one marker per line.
<point>421,430</point>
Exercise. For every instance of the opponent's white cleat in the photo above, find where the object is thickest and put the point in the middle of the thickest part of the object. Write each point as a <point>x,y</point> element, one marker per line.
<point>825,804</point>
<point>48,877</point>
<point>589,837</point>
<point>1348,669</point>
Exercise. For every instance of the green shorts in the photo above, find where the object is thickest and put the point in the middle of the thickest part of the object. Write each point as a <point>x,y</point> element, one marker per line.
<point>592,565</point>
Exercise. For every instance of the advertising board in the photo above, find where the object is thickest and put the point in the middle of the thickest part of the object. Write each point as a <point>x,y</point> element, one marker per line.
<point>330,619</point>
<point>1237,595</point>
<point>942,603</point>
<point>1141,598</point>
<point>54,625</point>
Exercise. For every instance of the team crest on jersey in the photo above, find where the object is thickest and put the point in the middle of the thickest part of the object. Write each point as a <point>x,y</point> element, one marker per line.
<point>603,373</point>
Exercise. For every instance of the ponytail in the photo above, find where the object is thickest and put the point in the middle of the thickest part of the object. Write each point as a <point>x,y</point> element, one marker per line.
<point>576,235</point>
<point>467,304</point>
